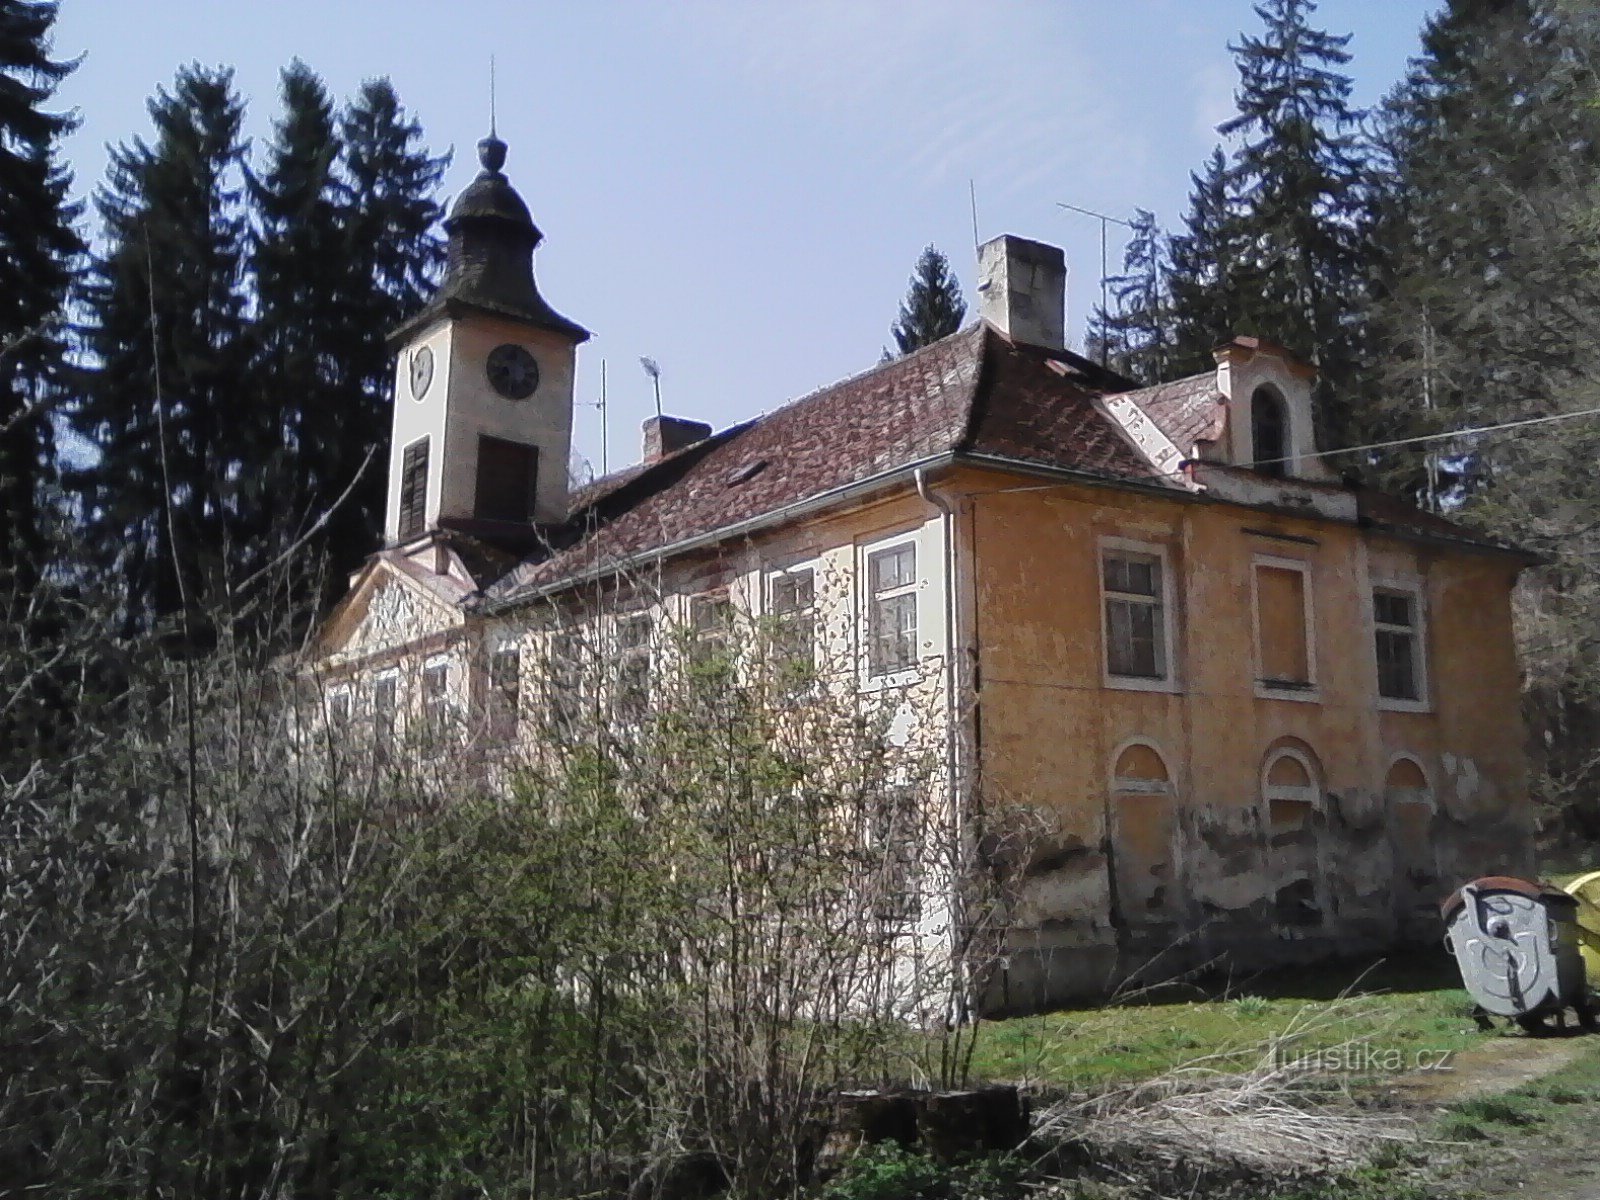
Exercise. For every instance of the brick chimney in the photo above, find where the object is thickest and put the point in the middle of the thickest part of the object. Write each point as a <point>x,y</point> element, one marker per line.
<point>1022,290</point>
<point>667,435</point>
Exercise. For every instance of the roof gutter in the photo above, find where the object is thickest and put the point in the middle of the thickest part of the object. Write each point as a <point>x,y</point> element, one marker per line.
<point>905,473</point>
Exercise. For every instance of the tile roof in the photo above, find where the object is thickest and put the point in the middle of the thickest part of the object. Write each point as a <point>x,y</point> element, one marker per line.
<point>972,391</point>
<point>1189,410</point>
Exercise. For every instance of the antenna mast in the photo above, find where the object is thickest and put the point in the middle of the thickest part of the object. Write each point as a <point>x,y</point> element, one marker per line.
<point>1104,222</point>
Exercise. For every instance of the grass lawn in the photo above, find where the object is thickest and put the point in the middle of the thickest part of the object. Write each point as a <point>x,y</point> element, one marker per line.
<point>1397,1008</point>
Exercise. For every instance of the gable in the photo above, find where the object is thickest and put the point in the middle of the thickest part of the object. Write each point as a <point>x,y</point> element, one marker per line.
<point>385,610</point>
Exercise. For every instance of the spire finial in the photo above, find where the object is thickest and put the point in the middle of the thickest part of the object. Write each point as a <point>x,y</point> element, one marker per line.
<point>491,150</point>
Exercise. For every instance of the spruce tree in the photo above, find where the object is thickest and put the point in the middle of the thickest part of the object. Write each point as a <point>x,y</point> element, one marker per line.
<point>39,250</point>
<point>170,507</point>
<point>305,392</point>
<point>1205,262</point>
<point>933,307</point>
<point>1287,210</point>
<point>387,192</point>
<point>1136,338</point>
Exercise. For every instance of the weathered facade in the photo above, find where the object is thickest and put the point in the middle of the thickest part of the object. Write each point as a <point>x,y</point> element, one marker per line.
<point>1264,714</point>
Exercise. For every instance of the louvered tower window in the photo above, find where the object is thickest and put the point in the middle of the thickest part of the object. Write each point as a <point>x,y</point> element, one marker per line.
<point>507,475</point>
<point>414,489</point>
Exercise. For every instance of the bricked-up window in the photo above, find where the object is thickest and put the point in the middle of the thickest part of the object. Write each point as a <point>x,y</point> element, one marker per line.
<point>1283,626</point>
<point>505,691</point>
<point>632,695</point>
<point>1135,614</point>
<point>508,472</point>
<point>414,489</point>
<point>793,596</point>
<point>1398,647</point>
<point>892,617</point>
<point>339,707</point>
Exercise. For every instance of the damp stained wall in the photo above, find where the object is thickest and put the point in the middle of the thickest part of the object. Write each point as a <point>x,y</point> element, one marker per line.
<point>1219,812</point>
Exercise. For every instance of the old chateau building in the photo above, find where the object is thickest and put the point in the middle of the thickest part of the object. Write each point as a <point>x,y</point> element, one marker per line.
<point>1268,713</point>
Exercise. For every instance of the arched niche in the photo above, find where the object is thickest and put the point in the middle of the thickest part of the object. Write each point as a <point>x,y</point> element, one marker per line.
<point>1141,826</point>
<point>1291,786</point>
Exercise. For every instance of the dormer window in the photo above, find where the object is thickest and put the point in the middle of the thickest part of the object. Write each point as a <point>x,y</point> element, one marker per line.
<point>1269,432</point>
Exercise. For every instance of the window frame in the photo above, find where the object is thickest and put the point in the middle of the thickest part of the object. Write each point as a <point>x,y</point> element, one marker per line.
<point>502,717</point>
<point>1311,691</point>
<point>871,676</point>
<point>1281,467</point>
<point>800,669</point>
<point>1168,680</point>
<point>629,703</point>
<point>411,502</point>
<point>1412,589</point>
<point>386,721</point>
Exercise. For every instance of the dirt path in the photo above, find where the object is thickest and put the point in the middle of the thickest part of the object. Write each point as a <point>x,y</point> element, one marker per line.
<point>1499,1141</point>
<point>1490,1069</point>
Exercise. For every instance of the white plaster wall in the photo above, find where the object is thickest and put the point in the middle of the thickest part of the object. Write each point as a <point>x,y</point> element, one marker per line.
<point>413,419</point>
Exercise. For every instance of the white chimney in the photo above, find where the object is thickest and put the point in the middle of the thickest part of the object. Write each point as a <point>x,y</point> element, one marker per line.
<point>1022,290</point>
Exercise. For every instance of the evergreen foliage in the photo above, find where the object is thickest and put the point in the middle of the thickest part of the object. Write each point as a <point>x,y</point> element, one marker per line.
<point>1205,261</point>
<point>386,189</point>
<point>39,250</point>
<point>1136,338</point>
<point>933,307</point>
<point>1299,183</point>
<point>170,507</point>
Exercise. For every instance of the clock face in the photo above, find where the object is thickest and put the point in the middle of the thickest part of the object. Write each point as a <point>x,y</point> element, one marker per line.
<point>421,372</point>
<point>512,371</point>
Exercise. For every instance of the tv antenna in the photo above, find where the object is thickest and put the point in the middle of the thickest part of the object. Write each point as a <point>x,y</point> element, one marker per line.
<point>653,369</point>
<point>1105,221</point>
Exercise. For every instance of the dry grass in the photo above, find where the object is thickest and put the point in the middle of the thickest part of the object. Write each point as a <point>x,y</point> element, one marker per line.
<point>1277,1118</point>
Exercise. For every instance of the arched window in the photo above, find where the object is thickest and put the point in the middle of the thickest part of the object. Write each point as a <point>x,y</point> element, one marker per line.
<point>1291,786</point>
<point>1408,801</point>
<point>1269,433</point>
<point>1143,862</point>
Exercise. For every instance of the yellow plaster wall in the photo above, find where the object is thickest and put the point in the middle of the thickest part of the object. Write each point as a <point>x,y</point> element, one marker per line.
<point>1049,723</point>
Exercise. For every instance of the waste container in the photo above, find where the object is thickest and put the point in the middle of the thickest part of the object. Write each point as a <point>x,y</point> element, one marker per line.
<point>1586,890</point>
<point>1517,946</point>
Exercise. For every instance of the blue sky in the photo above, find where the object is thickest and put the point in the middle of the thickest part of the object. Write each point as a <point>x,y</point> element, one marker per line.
<point>739,188</point>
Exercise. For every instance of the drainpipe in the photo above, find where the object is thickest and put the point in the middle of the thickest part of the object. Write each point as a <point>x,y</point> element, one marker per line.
<point>951,689</point>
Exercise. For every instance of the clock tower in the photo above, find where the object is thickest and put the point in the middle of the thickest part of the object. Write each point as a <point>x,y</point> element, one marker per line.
<point>482,426</point>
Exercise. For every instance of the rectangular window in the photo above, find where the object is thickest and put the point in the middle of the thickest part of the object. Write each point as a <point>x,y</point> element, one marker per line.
<point>507,475</point>
<point>792,599</point>
<point>564,683</point>
<point>710,630</point>
<point>1133,584</point>
<point>505,692</point>
<point>896,838</point>
<point>414,489</point>
<point>435,697</point>
<point>385,701</point>
<point>632,697</point>
<point>339,708</point>
<point>892,611</point>
<point>1397,630</point>
<point>1283,625</point>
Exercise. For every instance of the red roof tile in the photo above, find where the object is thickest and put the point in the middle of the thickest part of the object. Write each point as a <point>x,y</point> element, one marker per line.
<point>971,391</point>
<point>1189,410</point>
